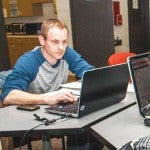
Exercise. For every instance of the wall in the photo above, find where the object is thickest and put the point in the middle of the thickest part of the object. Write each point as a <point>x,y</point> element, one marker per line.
<point>122,31</point>
<point>63,13</point>
<point>63,8</point>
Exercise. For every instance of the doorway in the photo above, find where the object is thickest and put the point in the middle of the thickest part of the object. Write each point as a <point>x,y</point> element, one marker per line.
<point>139,30</point>
<point>92,27</point>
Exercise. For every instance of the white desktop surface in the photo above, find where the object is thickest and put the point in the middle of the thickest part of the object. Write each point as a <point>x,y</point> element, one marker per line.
<point>122,127</point>
<point>15,122</point>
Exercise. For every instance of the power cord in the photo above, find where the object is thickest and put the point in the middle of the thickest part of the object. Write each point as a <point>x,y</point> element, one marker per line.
<point>45,122</point>
<point>22,139</point>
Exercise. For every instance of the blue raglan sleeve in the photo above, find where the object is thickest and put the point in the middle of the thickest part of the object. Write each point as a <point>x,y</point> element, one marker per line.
<point>76,63</point>
<point>23,72</point>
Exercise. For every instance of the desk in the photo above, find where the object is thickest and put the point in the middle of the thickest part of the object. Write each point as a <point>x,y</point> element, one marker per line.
<point>16,122</point>
<point>121,128</point>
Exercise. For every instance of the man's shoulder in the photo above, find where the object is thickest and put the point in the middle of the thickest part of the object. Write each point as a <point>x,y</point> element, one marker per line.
<point>70,52</point>
<point>36,51</point>
<point>30,61</point>
<point>69,49</point>
<point>32,56</point>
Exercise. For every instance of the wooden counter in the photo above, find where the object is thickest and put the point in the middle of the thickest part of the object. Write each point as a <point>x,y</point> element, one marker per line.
<point>19,44</point>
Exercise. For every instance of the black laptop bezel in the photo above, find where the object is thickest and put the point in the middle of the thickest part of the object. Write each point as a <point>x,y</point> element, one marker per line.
<point>108,70</point>
<point>129,60</point>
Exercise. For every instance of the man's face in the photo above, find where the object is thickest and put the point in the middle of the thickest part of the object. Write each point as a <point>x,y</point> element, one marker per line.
<point>55,44</point>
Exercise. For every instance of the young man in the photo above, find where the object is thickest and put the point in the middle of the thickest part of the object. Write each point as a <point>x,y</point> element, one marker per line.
<point>36,76</point>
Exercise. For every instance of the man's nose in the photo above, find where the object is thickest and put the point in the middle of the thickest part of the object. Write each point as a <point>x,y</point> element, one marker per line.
<point>61,46</point>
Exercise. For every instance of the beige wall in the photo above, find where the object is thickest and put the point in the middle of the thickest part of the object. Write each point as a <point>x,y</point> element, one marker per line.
<point>63,14</point>
<point>122,31</point>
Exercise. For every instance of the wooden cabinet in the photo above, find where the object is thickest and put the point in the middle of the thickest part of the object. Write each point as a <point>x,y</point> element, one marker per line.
<point>71,77</point>
<point>18,45</point>
<point>26,8</point>
<point>42,1</point>
<point>22,8</point>
<point>6,10</point>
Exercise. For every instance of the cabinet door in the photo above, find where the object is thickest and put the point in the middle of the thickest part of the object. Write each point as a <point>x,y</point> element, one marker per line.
<point>16,8</point>
<point>6,8</point>
<point>42,1</point>
<point>25,7</point>
<point>19,45</point>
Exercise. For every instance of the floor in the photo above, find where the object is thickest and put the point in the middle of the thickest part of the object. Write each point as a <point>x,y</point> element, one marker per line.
<point>56,145</point>
<point>37,145</point>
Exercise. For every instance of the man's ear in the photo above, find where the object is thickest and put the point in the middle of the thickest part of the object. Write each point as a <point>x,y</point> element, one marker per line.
<point>41,40</point>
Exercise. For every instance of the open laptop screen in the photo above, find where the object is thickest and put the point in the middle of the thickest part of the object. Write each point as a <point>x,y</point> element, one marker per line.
<point>140,73</point>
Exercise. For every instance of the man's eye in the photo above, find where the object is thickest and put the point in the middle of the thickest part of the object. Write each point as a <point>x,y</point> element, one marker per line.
<point>64,42</point>
<point>55,42</point>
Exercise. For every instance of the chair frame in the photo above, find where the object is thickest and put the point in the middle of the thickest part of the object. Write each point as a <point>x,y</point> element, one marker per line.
<point>121,57</point>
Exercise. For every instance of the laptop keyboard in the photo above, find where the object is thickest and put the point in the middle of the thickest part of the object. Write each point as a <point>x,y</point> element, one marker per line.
<point>67,107</point>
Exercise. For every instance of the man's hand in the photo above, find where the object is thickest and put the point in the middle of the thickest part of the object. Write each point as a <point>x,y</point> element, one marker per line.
<point>63,95</point>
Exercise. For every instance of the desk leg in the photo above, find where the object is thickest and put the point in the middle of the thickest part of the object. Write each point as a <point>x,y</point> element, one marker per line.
<point>46,142</point>
<point>77,142</point>
<point>83,142</point>
<point>0,146</point>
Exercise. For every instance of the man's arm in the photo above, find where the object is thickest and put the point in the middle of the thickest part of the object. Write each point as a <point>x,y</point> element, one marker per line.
<point>52,98</point>
<point>76,63</point>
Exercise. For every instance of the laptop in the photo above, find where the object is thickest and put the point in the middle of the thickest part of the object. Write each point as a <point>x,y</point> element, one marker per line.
<point>139,66</point>
<point>100,88</point>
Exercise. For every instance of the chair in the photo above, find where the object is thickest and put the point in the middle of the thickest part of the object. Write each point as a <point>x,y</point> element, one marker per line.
<point>119,57</point>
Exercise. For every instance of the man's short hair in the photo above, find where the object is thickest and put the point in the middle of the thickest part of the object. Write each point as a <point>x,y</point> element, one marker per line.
<point>47,24</point>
